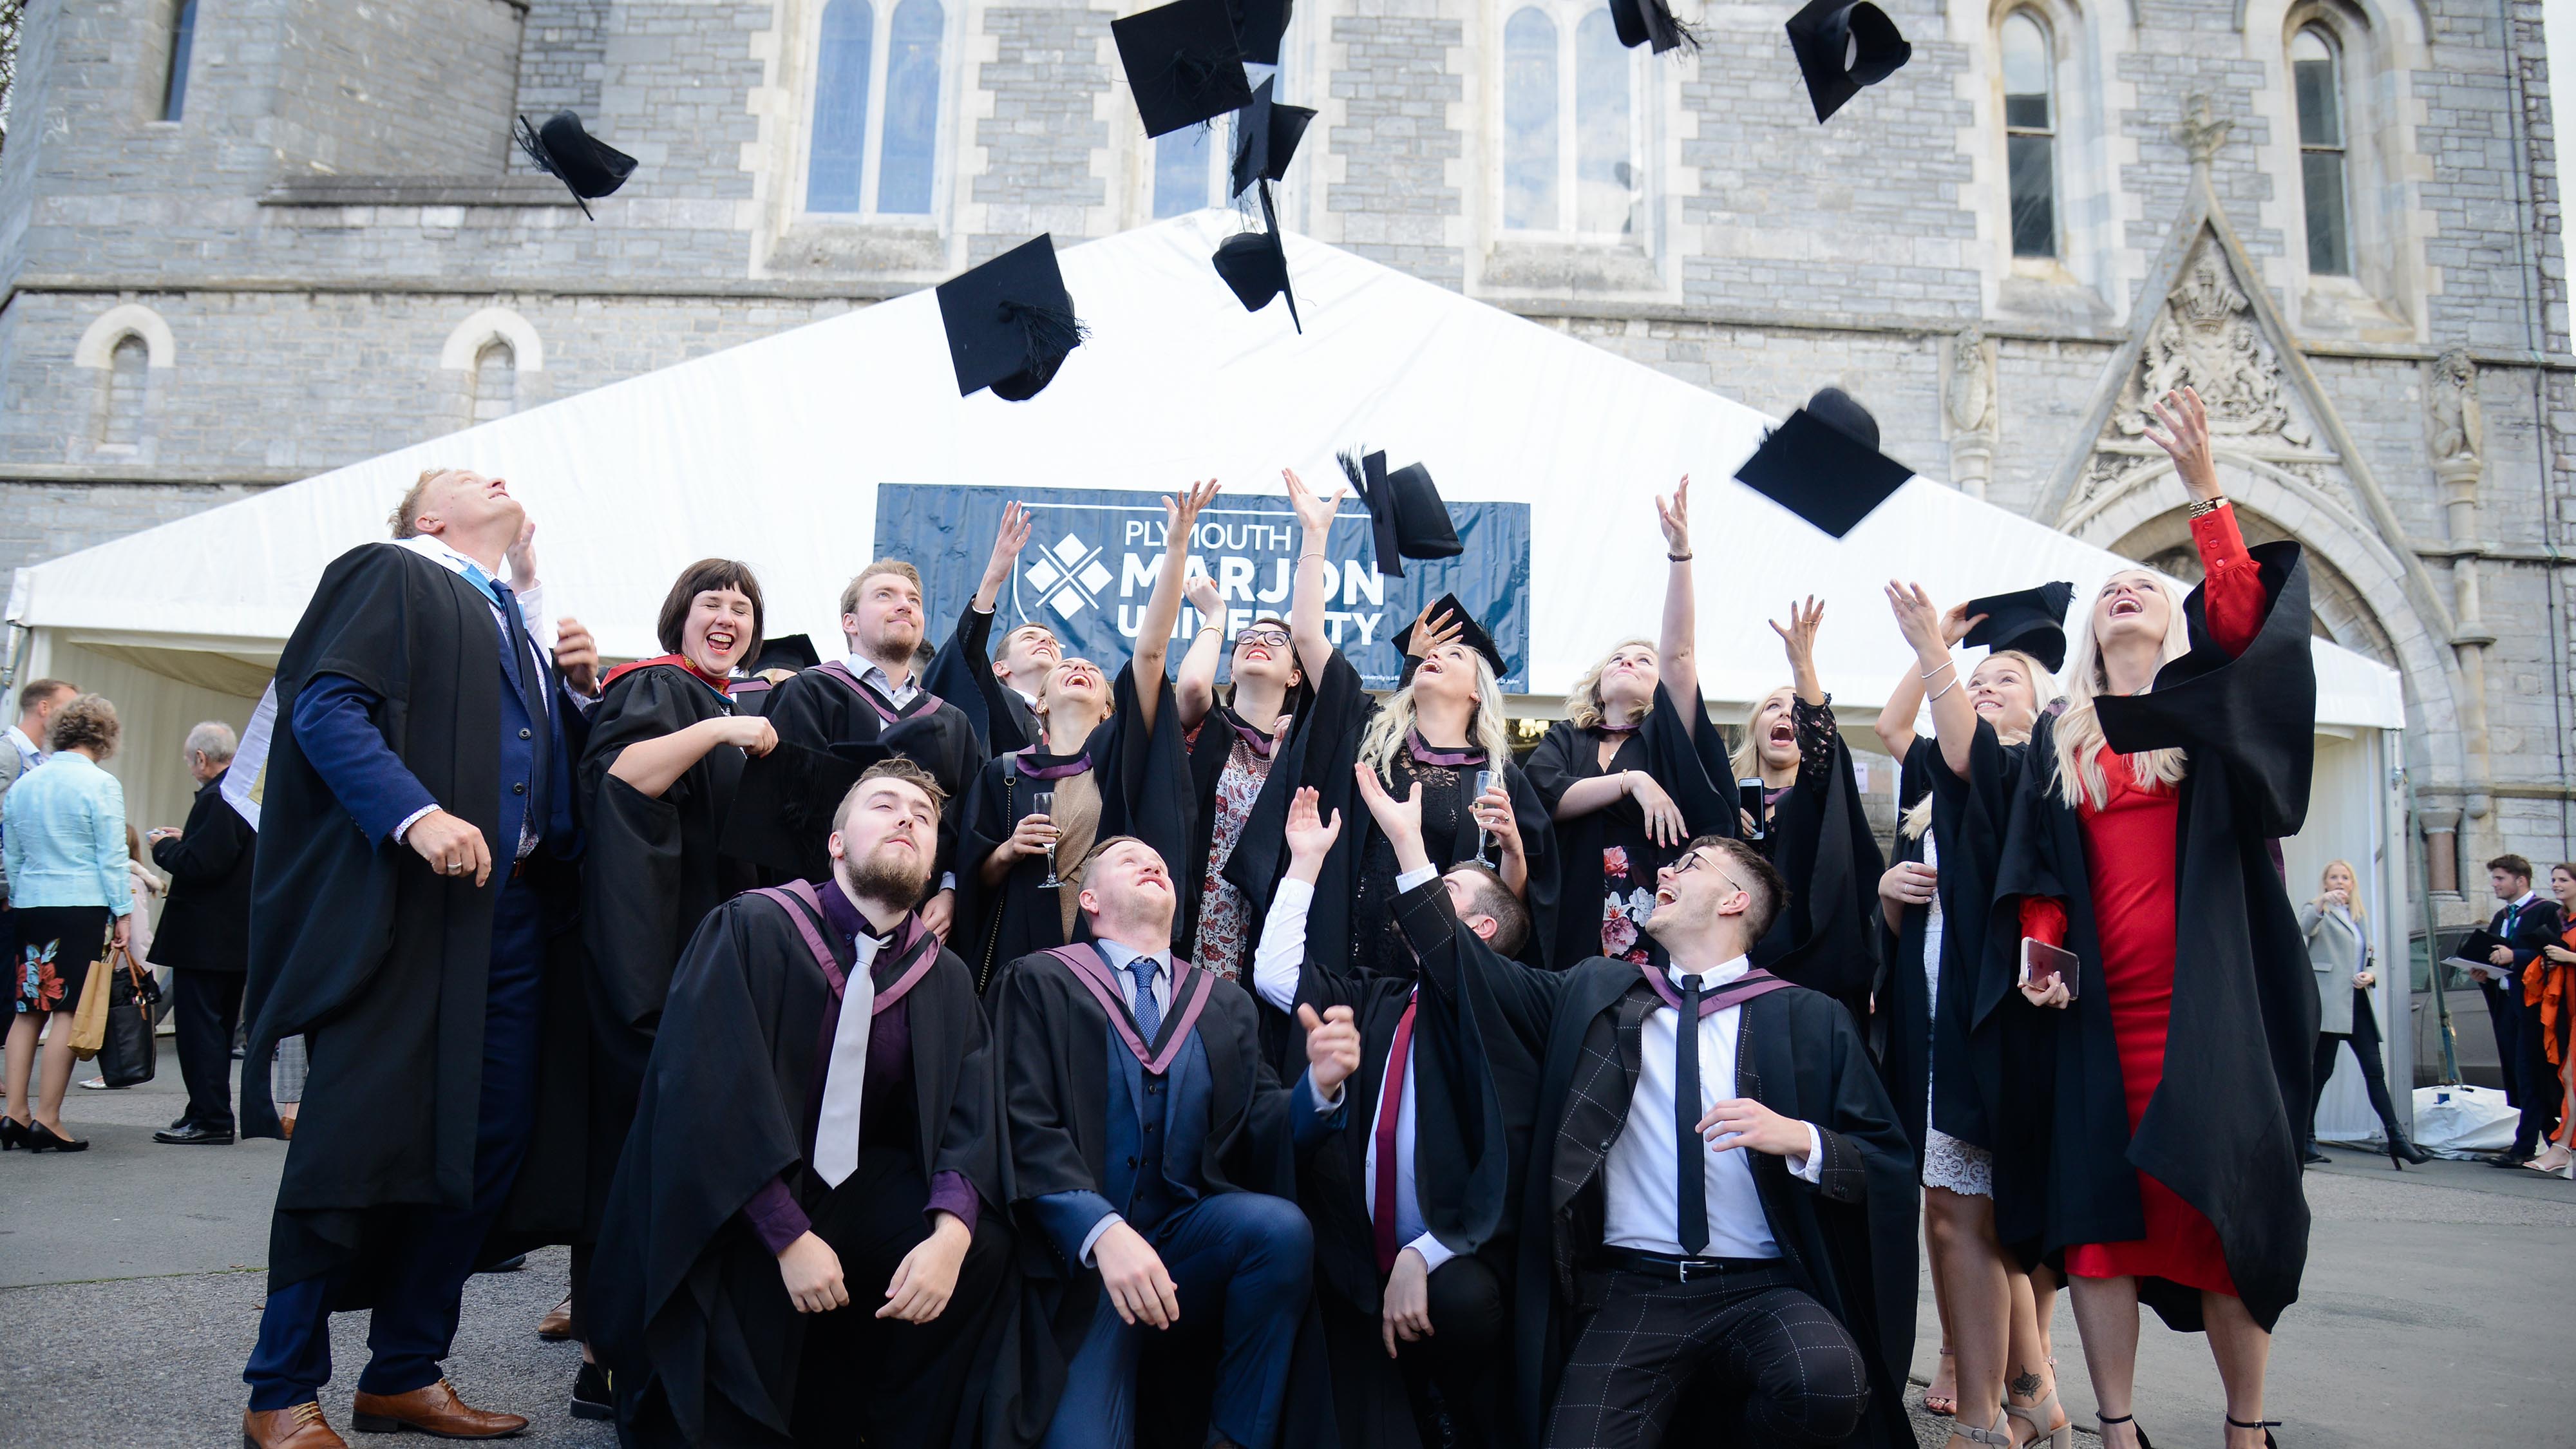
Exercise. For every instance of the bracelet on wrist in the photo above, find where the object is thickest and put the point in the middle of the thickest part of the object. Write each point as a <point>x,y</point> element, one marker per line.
<point>2203,507</point>
<point>1677,558</point>
<point>1936,669</point>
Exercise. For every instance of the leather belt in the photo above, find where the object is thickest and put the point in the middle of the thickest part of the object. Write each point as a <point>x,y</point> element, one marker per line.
<point>1679,1269</point>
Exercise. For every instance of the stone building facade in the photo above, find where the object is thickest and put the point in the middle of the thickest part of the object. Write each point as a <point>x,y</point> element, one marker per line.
<point>244,241</point>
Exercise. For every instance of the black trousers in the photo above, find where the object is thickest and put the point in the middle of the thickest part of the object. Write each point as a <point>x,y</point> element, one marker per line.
<point>205,1006</point>
<point>2504,1017</point>
<point>1456,1372</point>
<point>2540,1090</point>
<point>2364,1041</point>
<point>1798,1373</point>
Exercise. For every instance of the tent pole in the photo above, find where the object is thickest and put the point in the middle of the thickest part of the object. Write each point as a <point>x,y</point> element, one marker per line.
<point>2423,901</point>
<point>21,639</point>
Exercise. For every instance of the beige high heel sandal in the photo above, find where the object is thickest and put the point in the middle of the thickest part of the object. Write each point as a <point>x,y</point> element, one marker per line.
<point>2037,1417</point>
<point>1997,1437</point>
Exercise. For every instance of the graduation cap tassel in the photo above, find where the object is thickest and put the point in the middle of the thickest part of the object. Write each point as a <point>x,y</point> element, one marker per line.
<point>1051,332</point>
<point>1680,37</point>
<point>528,142</point>
<point>1350,461</point>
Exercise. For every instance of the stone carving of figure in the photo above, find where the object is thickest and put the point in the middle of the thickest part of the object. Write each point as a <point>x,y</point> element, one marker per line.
<point>2459,425</point>
<point>1971,400</point>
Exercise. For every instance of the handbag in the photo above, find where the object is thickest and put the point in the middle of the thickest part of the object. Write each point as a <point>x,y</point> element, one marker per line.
<point>130,1055</point>
<point>89,1022</point>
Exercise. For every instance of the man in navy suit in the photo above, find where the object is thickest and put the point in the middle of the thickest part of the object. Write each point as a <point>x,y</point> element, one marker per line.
<point>417,851</point>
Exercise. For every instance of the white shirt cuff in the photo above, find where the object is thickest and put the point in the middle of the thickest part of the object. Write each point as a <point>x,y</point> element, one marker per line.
<point>1322,1107</point>
<point>1433,1251</point>
<point>948,880</point>
<point>1277,962</point>
<point>414,818</point>
<point>1092,1238</point>
<point>1412,878</point>
<point>1810,1166</point>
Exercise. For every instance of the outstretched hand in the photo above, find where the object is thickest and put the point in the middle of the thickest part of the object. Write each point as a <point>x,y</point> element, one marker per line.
<point>1400,820</point>
<point>1430,632</point>
<point>1310,836</point>
<point>1922,622</point>
<point>1008,540</point>
<point>2185,437</point>
<point>1674,516</point>
<point>1799,635</point>
<point>1181,512</point>
<point>1314,512</point>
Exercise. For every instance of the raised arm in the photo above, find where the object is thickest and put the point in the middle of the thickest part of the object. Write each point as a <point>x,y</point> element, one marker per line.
<point>1194,687</point>
<point>1895,724</point>
<point>1799,639</point>
<point>1677,663</point>
<point>1008,540</point>
<point>1314,573</point>
<point>1279,963</point>
<point>1954,720</point>
<point>655,765</point>
<point>2232,597</point>
<point>1163,608</point>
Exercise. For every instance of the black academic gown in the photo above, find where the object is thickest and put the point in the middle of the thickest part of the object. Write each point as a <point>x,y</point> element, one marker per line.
<point>1145,792</point>
<point>1672,757</point>
<point>688,1299</point>
<point>1054,1044</point>
<point>1850,1240</point>
<point>819,709</point>
<point>1821,842</point>
<point>363,939</point>
<point>962,674</point>
<point>1209,753</point>
<point>655,871</point>
<point>2228,1118</point>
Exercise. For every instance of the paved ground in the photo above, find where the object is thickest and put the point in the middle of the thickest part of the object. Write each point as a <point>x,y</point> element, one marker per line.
<point>2436,1309</point>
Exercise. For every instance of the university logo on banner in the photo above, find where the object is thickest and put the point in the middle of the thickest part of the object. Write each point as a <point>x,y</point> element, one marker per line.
<point>1093,553</point>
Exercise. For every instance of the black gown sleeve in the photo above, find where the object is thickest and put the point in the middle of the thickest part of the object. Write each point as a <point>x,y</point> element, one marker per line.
<point>1145,787</point>
<point>633,882</point>
<point>962,674</point>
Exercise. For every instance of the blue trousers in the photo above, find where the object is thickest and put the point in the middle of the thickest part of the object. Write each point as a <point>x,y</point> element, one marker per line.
<point>429,1259</point>
<point>1243,1264</point>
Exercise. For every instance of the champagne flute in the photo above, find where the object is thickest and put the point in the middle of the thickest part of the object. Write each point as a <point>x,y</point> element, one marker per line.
<point>1043,802</point>
<point>1484,782</point>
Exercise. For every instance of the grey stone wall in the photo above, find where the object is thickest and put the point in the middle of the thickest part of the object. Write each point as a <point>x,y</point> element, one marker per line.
<point>1395,196</point>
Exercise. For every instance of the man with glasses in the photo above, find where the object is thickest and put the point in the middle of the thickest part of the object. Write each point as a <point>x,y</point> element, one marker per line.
<point>1722,1217</point>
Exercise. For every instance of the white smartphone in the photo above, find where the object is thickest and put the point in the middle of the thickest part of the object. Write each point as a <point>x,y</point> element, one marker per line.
<point>2044,965</point>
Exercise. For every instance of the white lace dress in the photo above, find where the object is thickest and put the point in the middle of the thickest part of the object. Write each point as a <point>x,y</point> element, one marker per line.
<point>1962,1167</point>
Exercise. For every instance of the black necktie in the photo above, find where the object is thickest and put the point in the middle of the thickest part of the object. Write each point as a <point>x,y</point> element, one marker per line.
<point>1693,1183</point>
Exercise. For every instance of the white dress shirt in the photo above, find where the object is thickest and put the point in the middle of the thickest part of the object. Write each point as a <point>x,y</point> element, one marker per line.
<point>1275,967</point>
<point>900,694</point>
<point>532,617</point>
<point>1642,1175</point>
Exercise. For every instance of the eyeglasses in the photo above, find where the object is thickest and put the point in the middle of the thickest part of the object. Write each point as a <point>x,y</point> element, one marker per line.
<point>1695,860</point>
<point>1273,638</point>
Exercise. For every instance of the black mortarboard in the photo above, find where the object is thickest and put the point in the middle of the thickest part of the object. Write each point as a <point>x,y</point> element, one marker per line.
<point>571,155</point>
<point>1841,46</point>
<point>1470,633</point>
<point>1823,464</point>
<point>1406,515</point>
<point>794,651</point>
<point>1266,137</point>
<point>1639,21</point>
<point>783,808</point>
<point>1010,322</point>
<point>1259,26</point>
<point>2030,620</point>
<point>1255,265</point>
<point>1182,63</point>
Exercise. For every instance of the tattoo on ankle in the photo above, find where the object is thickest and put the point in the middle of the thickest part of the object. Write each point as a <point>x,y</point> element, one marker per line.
<point>2025,1385</point>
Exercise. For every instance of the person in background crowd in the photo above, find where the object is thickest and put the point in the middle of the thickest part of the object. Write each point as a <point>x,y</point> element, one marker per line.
<point>2141,840</point>
<point>1626,775</point>
<point>2557,1004</point>
<point>62,833</point>
<point>969,673</point>
<point>2338,931</point>
<point>1111,763</point>
<point>1953,1042</point>
<point>36,705</point>
<point>665,757</point>
<point>205,936</point>
<point>1232,742</point>
<point>2528,922</point>
<point>1814,829</point>
<point>414,885</point>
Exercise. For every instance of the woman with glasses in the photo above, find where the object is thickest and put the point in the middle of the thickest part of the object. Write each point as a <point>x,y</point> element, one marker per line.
<point>1231,743</point>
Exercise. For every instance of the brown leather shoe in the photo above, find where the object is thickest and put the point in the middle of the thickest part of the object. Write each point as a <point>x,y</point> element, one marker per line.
<point>298,1426</point>
<point>556,1326</point>
<point>431,1410</point>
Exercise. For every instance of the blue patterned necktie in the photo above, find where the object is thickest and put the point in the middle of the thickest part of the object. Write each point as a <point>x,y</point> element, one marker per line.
<point>1149,1016</point>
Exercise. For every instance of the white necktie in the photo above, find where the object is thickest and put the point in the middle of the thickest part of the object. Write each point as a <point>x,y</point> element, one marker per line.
<point>836,1132</point>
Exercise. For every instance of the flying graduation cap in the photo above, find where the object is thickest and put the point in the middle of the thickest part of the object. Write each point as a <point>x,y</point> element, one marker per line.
<point>1183,63</point>
<point>591,168</point>
<point>1841,46</point>
<point>1010,322</point>
<point>1255,265</point>
<point>1823,464</point>
<point>1266,138</point>
<point>1406,516</point>
<point>1640,21</point>
<point>1259,26</point>
<point>2030,620</point>
<point>1470,633</point>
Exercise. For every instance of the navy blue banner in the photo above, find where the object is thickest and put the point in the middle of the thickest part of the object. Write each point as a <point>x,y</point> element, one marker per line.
<point>1093,552</point>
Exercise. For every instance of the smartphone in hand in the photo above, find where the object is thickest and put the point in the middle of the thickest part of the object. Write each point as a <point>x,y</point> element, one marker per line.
<point>2044,965</point>
<point>1749,797</point>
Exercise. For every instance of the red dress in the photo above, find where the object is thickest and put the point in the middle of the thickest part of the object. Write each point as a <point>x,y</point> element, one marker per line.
<point>2129,858</point>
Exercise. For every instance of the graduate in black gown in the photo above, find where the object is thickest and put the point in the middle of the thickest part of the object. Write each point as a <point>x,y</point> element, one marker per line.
<point>876,697</point>
<point>1232,742</point>
<point>1111,763</point>
<point>657,781</point>
<point>1149,1168</point>
<point>1815,829</point>
<point>987,684</point>
<point>1766,1276</point>
<point>806,1243</point>
<point>1626,775</point>
<point>1411,1204</point>
<point>1442,728</point>
<point>1965,1057</point>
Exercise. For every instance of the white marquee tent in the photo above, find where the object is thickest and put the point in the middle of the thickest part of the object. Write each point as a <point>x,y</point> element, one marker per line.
<point>771,451</point>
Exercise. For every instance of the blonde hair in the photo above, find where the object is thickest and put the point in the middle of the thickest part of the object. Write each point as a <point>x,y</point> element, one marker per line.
<point>1584,707</point>
<point>2079,730</point>
<point>405,519</point>
<point>1746,759</point>
<point>850,593</point>
<point>1387,730</point>
<point>2043,693</point>
<point>2353,904</point>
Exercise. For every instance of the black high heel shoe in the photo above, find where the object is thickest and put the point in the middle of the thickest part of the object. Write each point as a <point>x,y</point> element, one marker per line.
<point>2402,1152</point>
<point>2143,1441</point>
<point>13,1133</point>
<point>41,1137</point>
<point>2266,1425</point>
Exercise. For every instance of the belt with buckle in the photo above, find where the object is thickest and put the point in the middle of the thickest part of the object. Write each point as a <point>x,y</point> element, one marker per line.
<point>1679,1269</point>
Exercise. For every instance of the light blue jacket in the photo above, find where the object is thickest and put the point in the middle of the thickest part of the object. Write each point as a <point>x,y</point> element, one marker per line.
<point>62,836</point>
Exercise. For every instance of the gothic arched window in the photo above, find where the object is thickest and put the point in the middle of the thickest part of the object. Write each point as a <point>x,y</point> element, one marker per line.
<point>174,83</point>
<point>496,381</point>
<point>121,423</point>
<point>1569,122</point>
<point>2317,78</point>
<point>2030,133</point>
<point>878,75</point>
